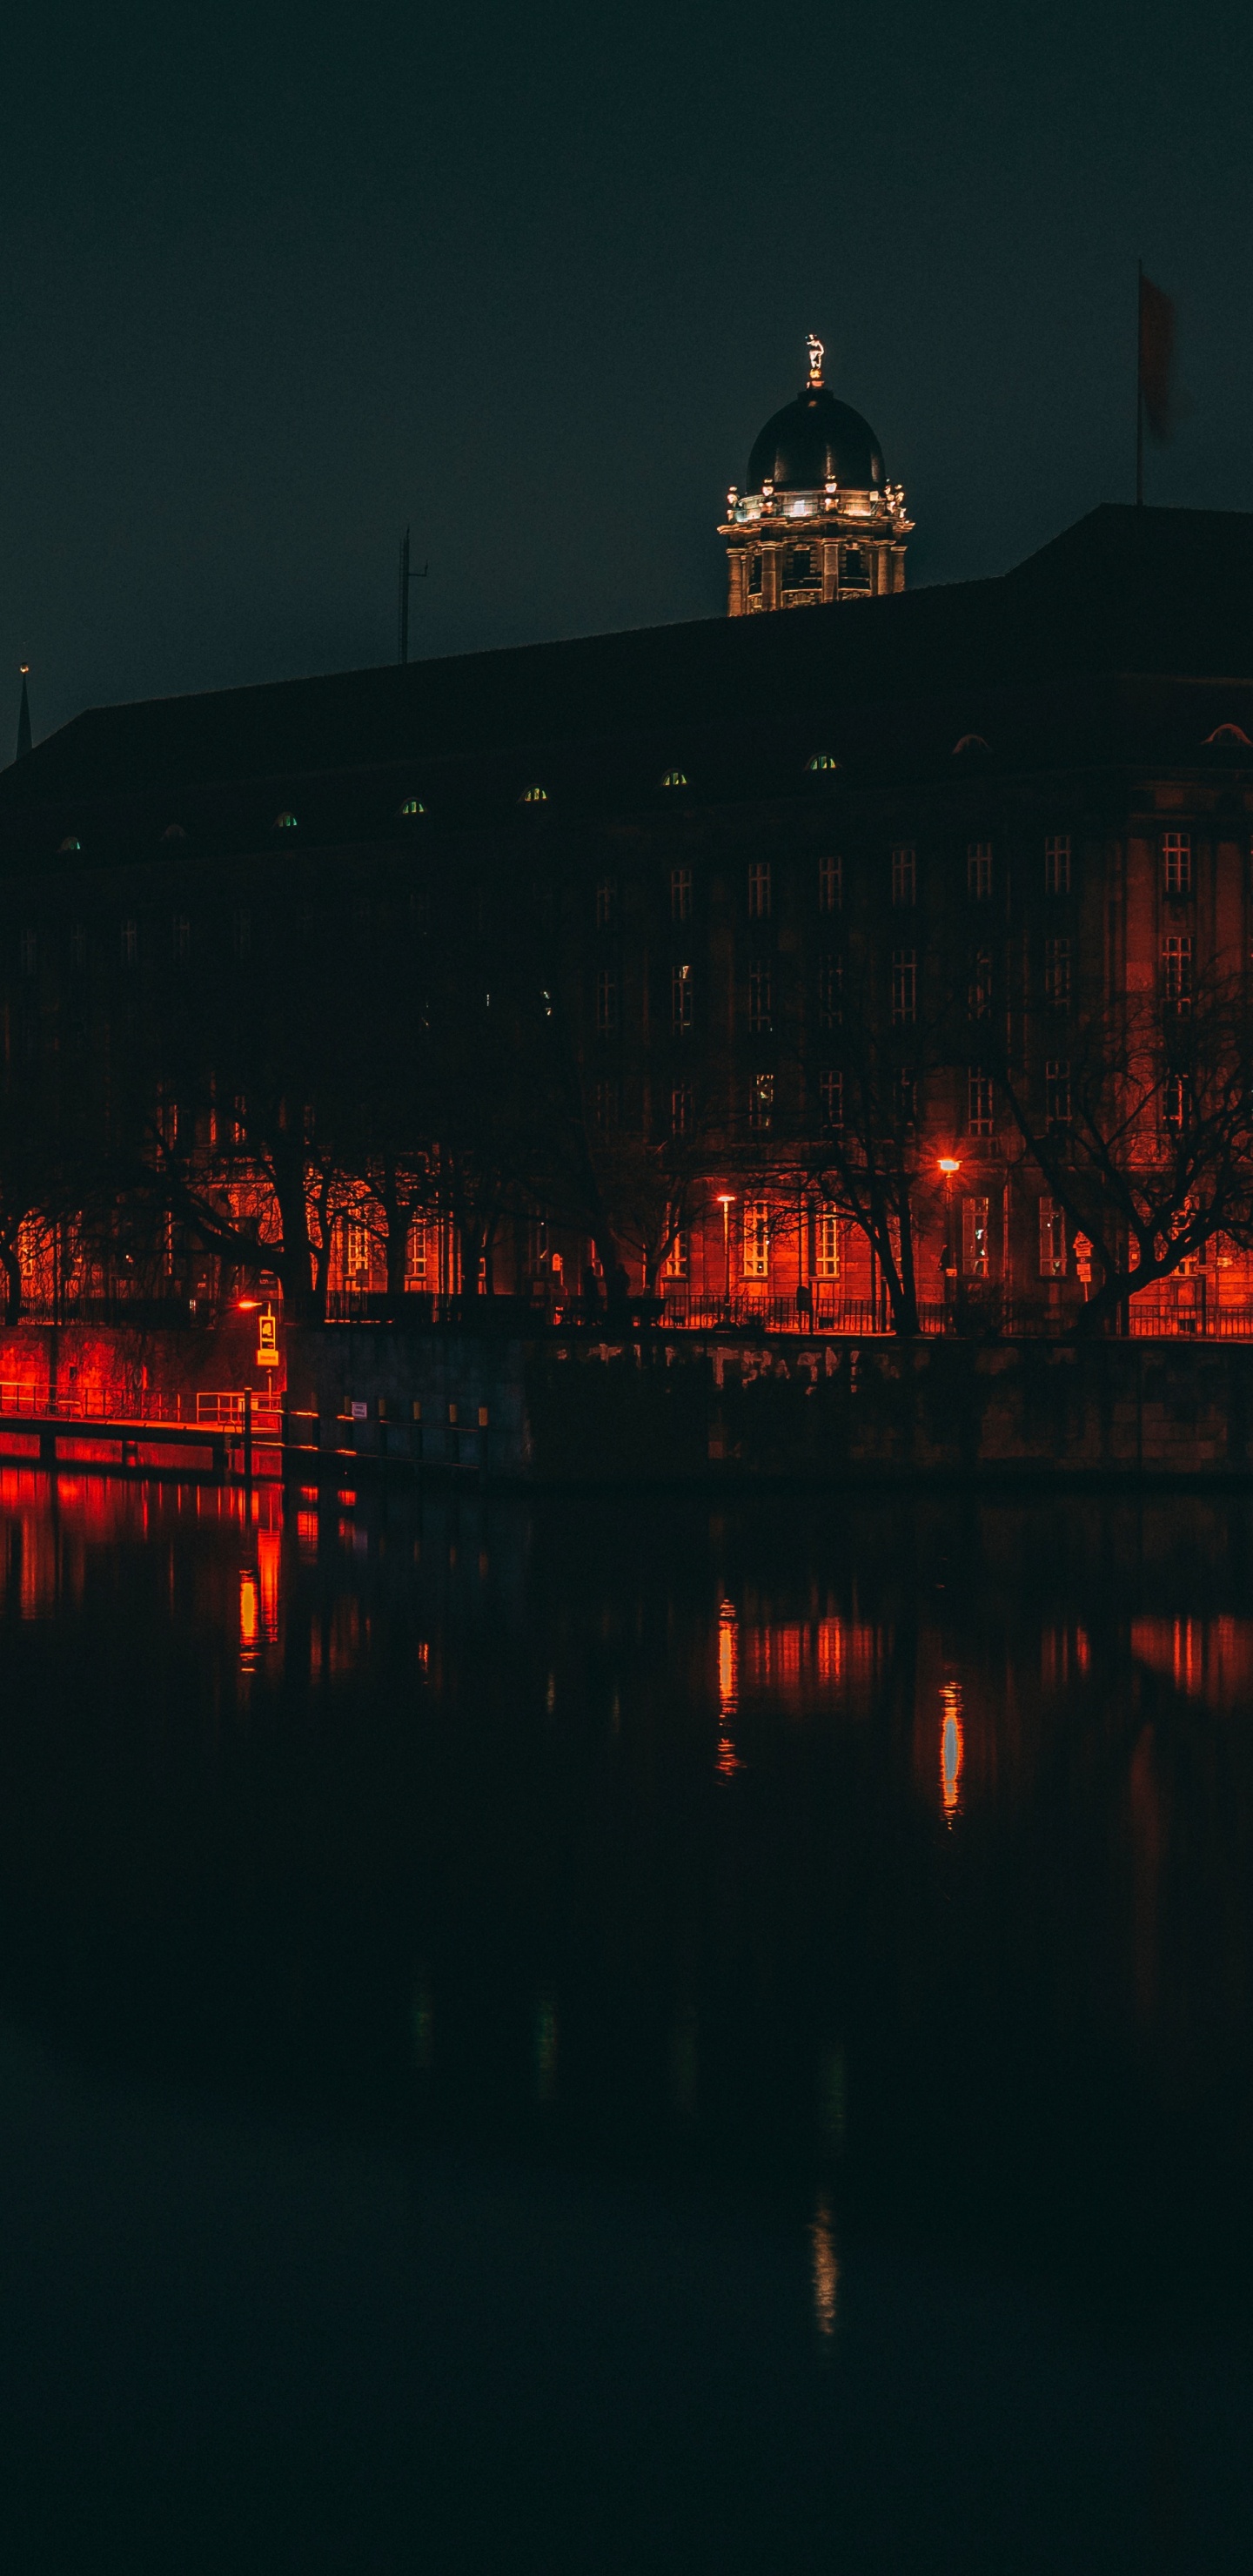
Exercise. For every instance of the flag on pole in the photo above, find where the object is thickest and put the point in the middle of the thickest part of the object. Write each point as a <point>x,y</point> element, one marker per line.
<point>1157,359</point>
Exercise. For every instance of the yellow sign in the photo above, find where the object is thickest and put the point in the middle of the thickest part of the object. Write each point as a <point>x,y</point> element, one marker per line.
<point>267,1339</point>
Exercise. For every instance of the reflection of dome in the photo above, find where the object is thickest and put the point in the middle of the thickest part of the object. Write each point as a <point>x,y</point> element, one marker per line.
<point>813,441</point>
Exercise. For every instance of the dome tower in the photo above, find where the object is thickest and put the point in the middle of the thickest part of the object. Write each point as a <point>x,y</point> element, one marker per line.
<point>819,519</point>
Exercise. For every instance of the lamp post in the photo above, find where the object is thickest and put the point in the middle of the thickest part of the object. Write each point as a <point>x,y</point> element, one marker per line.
<point>949,1165</point>
<point>726,1202</point>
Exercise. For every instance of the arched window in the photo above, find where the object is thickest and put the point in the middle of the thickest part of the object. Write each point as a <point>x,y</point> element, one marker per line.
<point>675,778</point>
<point>856,571</point>
<point>824,760</point>
<point>970,742</point>
<point>68,846</point>
<point>533,796</point>
<point>413,805</point>
<point>174,832</point>
<point>1224,735</point>
<point>285,823</point>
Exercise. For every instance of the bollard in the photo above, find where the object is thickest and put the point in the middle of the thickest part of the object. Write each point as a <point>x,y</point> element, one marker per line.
<point>247,1435</point>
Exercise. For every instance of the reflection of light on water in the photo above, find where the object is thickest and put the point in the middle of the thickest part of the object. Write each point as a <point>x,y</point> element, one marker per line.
<point>826,2271</point>
<point>728,1687</point>
<point>951,1740</point>
<point>249,1614</point>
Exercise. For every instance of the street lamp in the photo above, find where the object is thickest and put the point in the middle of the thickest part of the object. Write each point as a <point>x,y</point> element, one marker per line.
<point>726,1202</point>
<point>949,1165</point>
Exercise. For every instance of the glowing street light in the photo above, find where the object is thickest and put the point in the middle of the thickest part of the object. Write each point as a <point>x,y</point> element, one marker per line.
<point>726,1202</point>
<point>948,1164</point>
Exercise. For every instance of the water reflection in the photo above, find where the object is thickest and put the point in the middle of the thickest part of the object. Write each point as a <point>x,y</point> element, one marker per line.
<point>971,1854</point>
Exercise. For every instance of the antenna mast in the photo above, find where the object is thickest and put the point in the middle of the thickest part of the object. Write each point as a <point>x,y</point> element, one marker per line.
<point>406,576</point>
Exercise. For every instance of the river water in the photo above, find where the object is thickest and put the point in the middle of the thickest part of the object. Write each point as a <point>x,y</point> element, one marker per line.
<point>624,2038</point>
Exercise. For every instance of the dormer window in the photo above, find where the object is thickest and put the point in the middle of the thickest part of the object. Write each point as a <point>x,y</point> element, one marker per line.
<point>1225,735</point>
<point>174,832</point>
<point>533,796</point>
<point>68,846</point>
<point>824,761</point>
<point>285,823</point>
<point>413,805</point>
<point>675,778</point>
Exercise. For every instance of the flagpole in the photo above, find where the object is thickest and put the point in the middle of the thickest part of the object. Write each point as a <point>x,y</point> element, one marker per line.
<point>1139,384</point>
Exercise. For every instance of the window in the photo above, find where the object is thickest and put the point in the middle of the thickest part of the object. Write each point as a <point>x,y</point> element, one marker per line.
<point>681,991</point>
<point>754,576</point>
<point>606,1002</point>
<point>675,778</point>
<point>759,997</point>
<point>130,942</point>
<point>681,1109</point>
<point>759,889</point>
<point>979,870</point>
<point>980,986</point>
<point>798,569</point>
<point>979,1103</point>
<point>1057,863</point>
<point>285,823</point>
<point>533,796</point>
<point>1176,1103</point>
<point>907,1096</point>
<point>822,763</point>
<point>413,805</point>
<point>680,894</point>
<point>830,884</point>
<point>856,573</point>
<point>678,1260</point>
<point>29,948</point>
<point>1057,1090</point>
<point>1177,862</point>
<point>831,1100</point>
<point>830,991</point>
<point>756,1239</point>
<point>416,1253</point>
<point>180,939</point>
<point>904,984</point>
<point>904,874</point>
<point>357,1251</point>
<point>1177,971</point>
<point>974,1238</point>
<point>1057,970</point>
<point>606,903</point>
<point>1052,1239</point>
<point>761,1103</point>
<point>827,1244</point>
<point>605,1108</point>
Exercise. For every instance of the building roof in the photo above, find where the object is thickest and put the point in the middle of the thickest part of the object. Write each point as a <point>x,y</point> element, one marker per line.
<point>1150,592</point>
<point>813,441</point>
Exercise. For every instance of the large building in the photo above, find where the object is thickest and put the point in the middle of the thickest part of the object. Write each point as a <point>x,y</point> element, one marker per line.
<point>789,893</point>
<point>818,519</point>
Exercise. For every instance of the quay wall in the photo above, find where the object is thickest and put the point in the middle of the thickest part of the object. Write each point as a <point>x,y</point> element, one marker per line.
<point>678,1409</point>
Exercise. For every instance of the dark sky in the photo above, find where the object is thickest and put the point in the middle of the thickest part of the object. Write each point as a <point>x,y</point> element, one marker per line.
<point>277,280</point>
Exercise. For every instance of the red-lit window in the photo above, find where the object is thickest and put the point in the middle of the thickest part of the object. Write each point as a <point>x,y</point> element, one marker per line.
<point>1057,970</point>
<point>827,1244</point>
<point>831,1100</point>
<point>830,991</point>
<point>904,874</point>
<point>678,1260</point>
<point>980,987</point>
<point>1052,1239</point>
<point>759,889</point>
<point>1177,862</point>
<point>830,884</point>
<point>1176,1103</point>
<point>979,870</point>
<point>681,1109</point>
<point>979,1103</point>
<point>681,997</point>
<point>904,984</point>
<point>755,1256</point>
<point>606,1002</point>
<point>1057,863</point>
<point>759,999</point>
<point>975,1238</point>
<point>1177,971</point>
<point>761,1103</point>
<point>1057,1090</point>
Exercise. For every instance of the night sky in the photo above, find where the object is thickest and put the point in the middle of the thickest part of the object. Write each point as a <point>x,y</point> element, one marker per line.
<point>276,281</point>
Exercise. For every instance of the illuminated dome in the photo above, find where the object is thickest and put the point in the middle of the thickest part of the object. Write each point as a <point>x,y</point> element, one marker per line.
<point>815,441</point>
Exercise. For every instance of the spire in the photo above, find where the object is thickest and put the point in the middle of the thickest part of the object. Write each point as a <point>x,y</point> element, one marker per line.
<point>816,355</point>
<point>23,717</point>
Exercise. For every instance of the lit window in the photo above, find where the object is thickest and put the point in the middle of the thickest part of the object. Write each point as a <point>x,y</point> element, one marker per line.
<point>1176,1104</point>
<point>413,805</point>
<point>1052,1239</point>
<point>975,1238</point>
<point>979,1103</point>
<point>68,846</point>
<point>855,573</point>
<point>1177,971</point>
<point>680,894</point>
<point>827,1244</point>
<point>605,903</point>
<point>759,889</point>
<point>755,1252</point>
<point>831,1100</point>
<point>681,1109</point>
<point>678,1260</point>
<point>681,992</point>
<point>606,1002</point>
<point>675,778</point>
<point>1057,970</point>
<point>761,1103</point>
<point>904,984</point>
<point>533,796</point>
<point>830,884</point>
<point>285,823</point>
<point>1057,1090</point>
<point>1057,863</point>
<point>416,1253</point>
<point>759,999</point>
<point>823,760</point>
<point>979,993</point>
<point>1177,862</point>
<point>830,991</point>
<point>904,874</point>
<point>979,870</point>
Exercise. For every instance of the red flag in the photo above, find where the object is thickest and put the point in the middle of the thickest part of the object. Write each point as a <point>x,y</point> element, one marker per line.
<point>1157,358</point>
